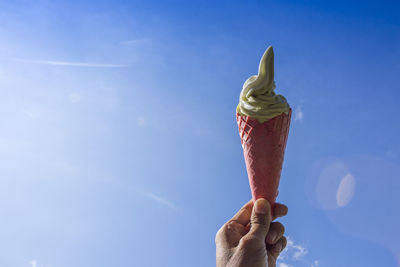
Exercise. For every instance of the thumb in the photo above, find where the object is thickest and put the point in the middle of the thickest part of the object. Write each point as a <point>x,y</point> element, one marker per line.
<point>260,218</point>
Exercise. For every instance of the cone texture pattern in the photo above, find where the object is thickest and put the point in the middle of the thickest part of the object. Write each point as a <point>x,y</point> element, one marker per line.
<point>263,148</point>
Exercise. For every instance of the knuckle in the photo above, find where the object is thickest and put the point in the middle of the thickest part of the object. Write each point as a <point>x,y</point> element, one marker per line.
<point>223,231</point>
<point>220,234</point>
<point>229,225</point>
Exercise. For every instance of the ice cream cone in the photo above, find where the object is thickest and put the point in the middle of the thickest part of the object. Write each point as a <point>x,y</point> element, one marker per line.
<point>263,148</point>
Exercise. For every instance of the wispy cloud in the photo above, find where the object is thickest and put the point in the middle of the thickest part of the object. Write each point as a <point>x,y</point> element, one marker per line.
<point>162,200</point>
<point>33,263</point>
<point>71,64</point>
<point>315,263</point>
<point>30,114</point>
<point>298,113</point>
<point>293,251</point>
<point>298,250</point>
<point>75,97</point>
<point>135,41</point>
<point>294,255</point>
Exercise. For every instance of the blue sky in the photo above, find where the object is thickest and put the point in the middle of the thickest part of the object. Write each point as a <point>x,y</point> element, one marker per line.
<point>118,141</point>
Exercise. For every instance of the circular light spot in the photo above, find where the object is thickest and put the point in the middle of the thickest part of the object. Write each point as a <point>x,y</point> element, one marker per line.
<point>328,183</point>
<point>345,190</point>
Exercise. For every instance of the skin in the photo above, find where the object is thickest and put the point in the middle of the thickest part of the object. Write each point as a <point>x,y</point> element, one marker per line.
<point>251,238</point>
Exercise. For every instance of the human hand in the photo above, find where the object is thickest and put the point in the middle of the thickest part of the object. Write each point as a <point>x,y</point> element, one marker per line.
<point>250,238</point>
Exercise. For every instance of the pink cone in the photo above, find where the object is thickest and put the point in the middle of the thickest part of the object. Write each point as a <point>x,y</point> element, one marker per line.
<point>264,148</point>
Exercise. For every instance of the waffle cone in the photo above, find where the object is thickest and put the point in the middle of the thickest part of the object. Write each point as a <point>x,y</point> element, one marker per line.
<point>263,148</point>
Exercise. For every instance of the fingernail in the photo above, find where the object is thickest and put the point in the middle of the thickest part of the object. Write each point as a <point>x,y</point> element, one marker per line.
<point>260,206</point>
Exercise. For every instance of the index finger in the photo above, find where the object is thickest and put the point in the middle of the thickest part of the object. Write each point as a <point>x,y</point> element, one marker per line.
<point>244,214</point>
<point>280,210</point>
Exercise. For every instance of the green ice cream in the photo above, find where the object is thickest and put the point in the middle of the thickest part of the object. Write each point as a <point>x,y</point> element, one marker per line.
<point>258,99</point>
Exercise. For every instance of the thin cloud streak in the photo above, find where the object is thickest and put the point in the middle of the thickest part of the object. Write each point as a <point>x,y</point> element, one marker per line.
<point>135,41</point>
<point>162,200</point>
<point>72,64</point>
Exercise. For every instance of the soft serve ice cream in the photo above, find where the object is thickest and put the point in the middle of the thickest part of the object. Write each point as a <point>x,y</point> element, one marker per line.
<point>263,118</point>
<point>258,99</point>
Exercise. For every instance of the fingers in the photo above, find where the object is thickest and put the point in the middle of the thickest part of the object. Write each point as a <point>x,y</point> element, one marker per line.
<point>260,219</point>
<point>243,215</point>
<point>279,210</point>
<point>231,232</point>
<point>277,248</point>
<point>276,231</point>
